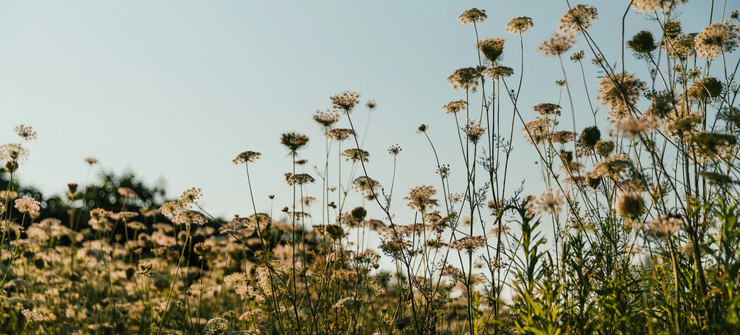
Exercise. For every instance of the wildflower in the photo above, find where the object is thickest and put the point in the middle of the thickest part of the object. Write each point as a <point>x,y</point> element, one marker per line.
<point>491,48</point>
<point>590,136</point>
<point>537,131</point>
<point>422,128</point>
<point>216,326</point>
<point>665,225</point>
<point>472,15</point>
<point>710,143</point>
<point>646,6</point>
<point>189,217</point>
<point>366,186</point>
<point>611,167</point>
<point>8,195</point>
<point>474,131</point>
<point>619,91</point>
<point>634,126</point>
<point>326,119</point>
<point>715,39</point>
<point>681,46</point>
<point>630,205</point>
<point>13,152</point>
<point>469,243</point>
<point>91,161</point>
<point>563,136</point>
<point>246,157</point>
<point>420,198</point>
<point>577,56</point>
<point>576,18</point>
<point>370,104</point>
<point>519,25</point>
<point>32,315</point>
<point>293,141</point>
<point>705,88</point>
<point>339,134</point>
<point>547,108</point>
<point>685,124</point>
<point>643,43</point>
<point>145,268</point>
<point>498,72</point>
<point>27,205</point>
<point>300,179</point>
<point>394,150</point>
<point>25,132</point>
<point>123,215</point>
<point>190,196</point>
<point>126,192</point>
<point>556,45</point>
<point>455,106</point>
<point>466,78</point>
<point>547,203</point>
<point>355,155</point>
<point>170,208</point>
<point>346,100</point>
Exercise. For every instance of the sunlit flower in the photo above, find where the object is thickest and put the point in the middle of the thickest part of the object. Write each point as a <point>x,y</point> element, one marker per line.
<point>472,15</point>
<point>556,45</point>
<point>189,217</point>
<point>498,72</point>
<point>715,39</point>
<point>547,203</point>
<point>13,152</point>
<point>339,134</point>
<point>612,167</point>
<point>491,48</point>
<point>546,109</point>
<point>455,106</point>
<point>643,43</point>
<point>346,100</point>
<point>91,161</point>
<point>355,155</point>
<point>466,78</point>
<point>665,225</point>
<point>127,192</point>
<point>705,88</point>
<point>619,92</point>
<point>27,205</point>
<point>300,179</point>
<point>246,157</point>
<point>647,6</point>
<point>326,119</point>
<point>469,243</point>
<point>420,198</point>
<point>519,25</point>
<point>293,141</point>
<point>25,132</point>
<point>32,315</point>
<point>190,196</point>
<point>474,131</point>
<point>576,18</point>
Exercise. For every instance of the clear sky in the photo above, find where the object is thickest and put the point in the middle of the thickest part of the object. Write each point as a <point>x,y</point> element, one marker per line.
<point>176,89</point>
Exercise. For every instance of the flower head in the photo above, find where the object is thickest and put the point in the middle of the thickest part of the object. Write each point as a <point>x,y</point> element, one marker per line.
<point>455,106</point>
<point>189,217</point>
<point>32,315</point>
<point>127,192</point>
<point>190,196</point>
<point>715,39</point>
<point>546,108</point>
<point>498,72</point>
<point>647,6</point>
<point>472,15</point>
<point>469,243</point>
<point>474,131</point>
<point>339,134</point>
<point>577,18</point>
<point>293,141</point>
<point>643,43</point>
<point>91,161</point>
<point>665,225</point>
<point>466,78</point>
<point>27,205</point>
<point>556,45</point>
<point>546,203</point>
<point>619,92</point>
<point>491,48</point>
<point>25,132</point>
<point>630,205</point>
<point>356,155</point>
<point>246,157</point>
<point>519,25</point>
<point>326,119</point>
<point>300,179</point>
<point>13,152</point>
<point>346,100</point>
<point>420,198</point>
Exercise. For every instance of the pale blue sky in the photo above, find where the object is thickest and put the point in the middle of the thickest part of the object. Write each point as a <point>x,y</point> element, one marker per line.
<point>176,89</point>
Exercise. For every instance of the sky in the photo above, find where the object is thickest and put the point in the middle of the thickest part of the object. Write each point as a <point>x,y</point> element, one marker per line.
<point>174,90</point>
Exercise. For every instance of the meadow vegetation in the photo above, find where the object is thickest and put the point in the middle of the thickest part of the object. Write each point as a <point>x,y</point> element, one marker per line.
<point>636,233</point>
